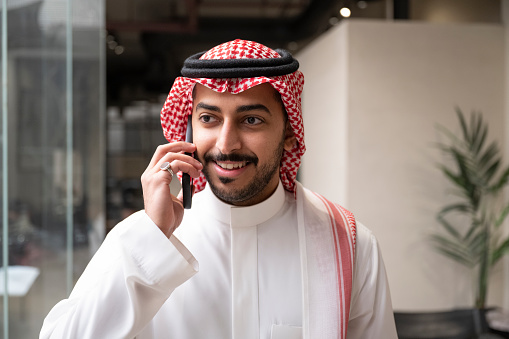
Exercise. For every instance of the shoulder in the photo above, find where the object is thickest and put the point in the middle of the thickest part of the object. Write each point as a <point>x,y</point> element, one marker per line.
<point>323,208</point>
<point>319,208</point>
<point>320,203</point>
<point>366,243</point>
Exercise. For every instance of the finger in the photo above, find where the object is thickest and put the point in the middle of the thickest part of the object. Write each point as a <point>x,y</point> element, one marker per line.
<point>180,196</point>
<point>185,167</point>
<point>179,200</point>
<point>174,147</point>
<point>181,158</point>
<point>167,175</point>
<point>162,177</point>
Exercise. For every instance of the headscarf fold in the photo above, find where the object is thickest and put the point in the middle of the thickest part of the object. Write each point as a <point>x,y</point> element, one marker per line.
<point>179,103</point>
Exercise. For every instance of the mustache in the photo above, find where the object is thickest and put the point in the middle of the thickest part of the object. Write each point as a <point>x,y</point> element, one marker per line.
<point>215,157</point>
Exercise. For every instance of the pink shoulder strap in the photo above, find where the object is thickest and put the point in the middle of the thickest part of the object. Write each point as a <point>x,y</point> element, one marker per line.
<point>343,230</point>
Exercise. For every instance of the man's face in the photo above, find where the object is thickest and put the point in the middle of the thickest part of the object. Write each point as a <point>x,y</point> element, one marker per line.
<point>240,140</point>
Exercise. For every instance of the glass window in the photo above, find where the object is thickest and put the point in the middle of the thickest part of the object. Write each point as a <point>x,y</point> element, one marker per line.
<point>52,154</point>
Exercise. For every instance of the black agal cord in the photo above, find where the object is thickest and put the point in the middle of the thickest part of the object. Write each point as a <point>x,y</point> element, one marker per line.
<point>239,68</point>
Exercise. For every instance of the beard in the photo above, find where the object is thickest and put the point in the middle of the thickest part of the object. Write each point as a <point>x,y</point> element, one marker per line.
<point>264,174</point>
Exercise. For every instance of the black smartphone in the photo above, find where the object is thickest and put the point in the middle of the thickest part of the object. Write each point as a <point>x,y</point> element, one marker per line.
<point>186,178</point>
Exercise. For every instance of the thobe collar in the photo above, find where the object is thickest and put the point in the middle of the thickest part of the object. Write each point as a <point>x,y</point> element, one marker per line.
<point>244,216</point>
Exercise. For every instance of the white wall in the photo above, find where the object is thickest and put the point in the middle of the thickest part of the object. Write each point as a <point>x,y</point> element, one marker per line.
<point>487,11</point>
<point>373,94</point>
<point>326,100</point>
<point>505,20</point>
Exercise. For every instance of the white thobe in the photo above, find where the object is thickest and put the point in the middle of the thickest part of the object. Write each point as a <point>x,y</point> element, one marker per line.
<point>249,283</point>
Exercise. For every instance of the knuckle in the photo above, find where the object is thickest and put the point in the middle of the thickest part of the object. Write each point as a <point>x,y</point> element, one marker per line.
<point>179,164</point>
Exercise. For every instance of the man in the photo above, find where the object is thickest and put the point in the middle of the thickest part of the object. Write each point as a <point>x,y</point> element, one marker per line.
<point>276,260</point>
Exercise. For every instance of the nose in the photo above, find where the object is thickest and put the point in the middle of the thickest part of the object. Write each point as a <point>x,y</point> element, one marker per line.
<point>228,139</point>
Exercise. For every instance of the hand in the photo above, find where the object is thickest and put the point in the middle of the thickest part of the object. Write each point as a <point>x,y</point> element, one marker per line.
<point>165,209</point>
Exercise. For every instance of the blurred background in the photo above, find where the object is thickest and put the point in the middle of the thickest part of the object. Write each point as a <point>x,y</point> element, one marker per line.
<point>83,83</point>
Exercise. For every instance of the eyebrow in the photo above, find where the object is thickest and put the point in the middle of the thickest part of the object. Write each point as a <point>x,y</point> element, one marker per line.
<point>255,107</point>
<point>208,107</point>
<point>240,109</point>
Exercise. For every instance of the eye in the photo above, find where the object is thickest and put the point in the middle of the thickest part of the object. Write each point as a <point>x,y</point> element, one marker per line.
<point>207,118</point>
<point>252,121</point>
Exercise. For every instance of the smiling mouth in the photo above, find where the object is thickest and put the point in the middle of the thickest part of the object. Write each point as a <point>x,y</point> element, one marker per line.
<point>231,165</point>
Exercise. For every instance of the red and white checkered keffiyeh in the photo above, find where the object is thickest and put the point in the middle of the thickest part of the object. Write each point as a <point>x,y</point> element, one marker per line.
<point>179,104</point>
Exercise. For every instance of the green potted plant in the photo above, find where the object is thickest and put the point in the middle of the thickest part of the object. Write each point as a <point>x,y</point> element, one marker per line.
<point>476,172</point>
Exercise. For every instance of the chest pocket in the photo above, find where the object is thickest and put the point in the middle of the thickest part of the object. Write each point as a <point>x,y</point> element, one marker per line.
<point>286,332</point>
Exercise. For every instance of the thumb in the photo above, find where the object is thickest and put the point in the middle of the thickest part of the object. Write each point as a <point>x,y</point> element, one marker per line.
<point>180,195</point>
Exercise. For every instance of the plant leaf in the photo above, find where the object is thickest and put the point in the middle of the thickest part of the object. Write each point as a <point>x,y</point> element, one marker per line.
<point>488,173</point>
<point>489,153</point>
<point>459,207</point>
<point>474,176</point>
<point>502,216</point>
<point>448,227</point>
<point>502,181</point>
<point>472,230</point>
<point>475,133</point>
<point>445,131</point>
<point>499,252</point>
<point>479,142</point>
<point>457,180</point>
<point>463,124</point>
<point>477,244</point>
<point>452,249</point>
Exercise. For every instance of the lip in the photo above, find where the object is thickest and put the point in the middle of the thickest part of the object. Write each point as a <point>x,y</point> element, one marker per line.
<point>231,173</point>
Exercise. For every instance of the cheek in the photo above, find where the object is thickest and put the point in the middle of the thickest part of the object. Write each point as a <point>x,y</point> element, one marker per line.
<point>265,146</point>
<point>203,140</point>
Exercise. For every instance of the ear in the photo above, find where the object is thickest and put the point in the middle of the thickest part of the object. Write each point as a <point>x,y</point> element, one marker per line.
<point>290,139</point>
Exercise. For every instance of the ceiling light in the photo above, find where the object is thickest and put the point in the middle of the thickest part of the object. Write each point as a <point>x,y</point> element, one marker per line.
<point>119,50</point>
<point>333,21</point>
<point>112,44</point>
<point>293,45</point>
<point>345,12</point>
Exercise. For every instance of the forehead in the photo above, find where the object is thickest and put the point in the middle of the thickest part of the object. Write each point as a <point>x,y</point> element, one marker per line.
<point>260,94</point>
